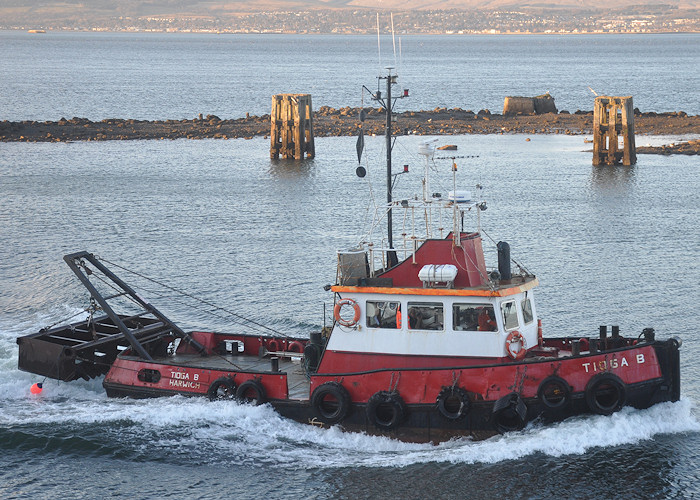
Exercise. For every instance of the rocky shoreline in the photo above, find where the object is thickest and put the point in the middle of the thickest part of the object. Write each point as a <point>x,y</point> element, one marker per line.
<point>330,122</point>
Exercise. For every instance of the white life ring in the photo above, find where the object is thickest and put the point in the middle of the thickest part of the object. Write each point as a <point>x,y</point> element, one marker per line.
<point>515,339</point>
<point>338,309</point>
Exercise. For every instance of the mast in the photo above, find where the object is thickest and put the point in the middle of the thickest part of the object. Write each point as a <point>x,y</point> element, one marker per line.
<point>389,107</point>
<point>387,102</point>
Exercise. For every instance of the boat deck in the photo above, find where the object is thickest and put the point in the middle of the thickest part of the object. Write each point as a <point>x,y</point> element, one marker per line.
<point>298,383</point>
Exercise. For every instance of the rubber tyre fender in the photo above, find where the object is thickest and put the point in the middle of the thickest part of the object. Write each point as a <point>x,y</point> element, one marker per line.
<point>453,403</point>
<point>554,393</point>
<point>243,391</point>
<point>605,394</point>
<point>222,388</point>
<point>386,410</point>
<point>675,342</point>
<point>334,409</point>
<point>509,413</point>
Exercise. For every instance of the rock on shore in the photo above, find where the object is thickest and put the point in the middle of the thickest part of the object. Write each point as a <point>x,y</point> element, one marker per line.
<point>343,122</point>
<point>674,148</point>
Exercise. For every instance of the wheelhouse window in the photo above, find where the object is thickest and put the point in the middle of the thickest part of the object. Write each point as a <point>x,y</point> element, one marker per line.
<point>383,314</point>
<point>425,316</point>
<point>527,311</point>
<point>510,315</point>
<point>473,317</point>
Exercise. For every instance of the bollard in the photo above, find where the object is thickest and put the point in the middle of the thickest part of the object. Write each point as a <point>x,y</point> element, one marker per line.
<point>575,347</point>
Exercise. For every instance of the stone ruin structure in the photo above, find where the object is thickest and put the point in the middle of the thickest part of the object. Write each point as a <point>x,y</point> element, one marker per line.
<point>529,105</point>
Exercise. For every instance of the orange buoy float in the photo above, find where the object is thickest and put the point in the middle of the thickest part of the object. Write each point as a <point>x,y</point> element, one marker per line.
<point>515,345</point>
<point>338,313</point>
<point>36,388</point>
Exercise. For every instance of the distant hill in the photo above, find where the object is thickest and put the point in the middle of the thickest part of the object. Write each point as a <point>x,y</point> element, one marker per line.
<point>116,14</point>
<point>195,7</point>
<point>485,4</point>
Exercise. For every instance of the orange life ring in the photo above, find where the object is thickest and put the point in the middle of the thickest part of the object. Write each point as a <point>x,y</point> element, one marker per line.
<point>515,337</point>
<point>583,342</point>
<point>273,345</point>
<point>337,309</point>
<point>295,346</point>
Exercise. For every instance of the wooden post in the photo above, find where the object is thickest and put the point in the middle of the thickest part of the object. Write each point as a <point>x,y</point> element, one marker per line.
<point>629,153</point>
<point>291,121</point>
<point>613,117</point>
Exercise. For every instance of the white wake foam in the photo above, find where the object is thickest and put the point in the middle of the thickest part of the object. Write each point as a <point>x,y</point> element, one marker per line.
<point>226,432</point>
<point>217,432</point>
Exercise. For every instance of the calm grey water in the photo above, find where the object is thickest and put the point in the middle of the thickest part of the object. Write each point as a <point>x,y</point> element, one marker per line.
<point>161,76</point>
<point>222,221</point>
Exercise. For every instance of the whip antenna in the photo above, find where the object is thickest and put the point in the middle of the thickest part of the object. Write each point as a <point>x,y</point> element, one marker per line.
<point>379,48</point>
<point>393,38</point>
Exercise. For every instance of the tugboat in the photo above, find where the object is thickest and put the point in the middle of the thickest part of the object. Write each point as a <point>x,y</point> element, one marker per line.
<point>427,342</point>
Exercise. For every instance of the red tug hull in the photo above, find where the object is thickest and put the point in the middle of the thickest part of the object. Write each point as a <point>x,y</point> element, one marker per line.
<point>465,397</point>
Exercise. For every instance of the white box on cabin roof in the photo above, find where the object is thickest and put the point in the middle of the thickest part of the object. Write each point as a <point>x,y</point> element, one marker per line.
<point>432,274</point>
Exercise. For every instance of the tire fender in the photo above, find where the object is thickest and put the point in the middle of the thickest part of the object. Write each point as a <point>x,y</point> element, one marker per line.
<point>606,393</point>
<point>251,391</point>
<point>222,388</point>
<point>453,403</point>
<point>509,413</point>
<point>386,410</point>
<point>330,402</point>
<point>554,393</point>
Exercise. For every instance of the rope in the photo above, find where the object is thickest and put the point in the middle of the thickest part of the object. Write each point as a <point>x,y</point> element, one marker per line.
<point>116,289</point>
<point>65,319</point>
<point>197,299</point>
<point>476,266</point>
<point>455,379</point>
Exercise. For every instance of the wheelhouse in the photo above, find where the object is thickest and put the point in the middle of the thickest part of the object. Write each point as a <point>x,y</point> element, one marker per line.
<point>459,324</point>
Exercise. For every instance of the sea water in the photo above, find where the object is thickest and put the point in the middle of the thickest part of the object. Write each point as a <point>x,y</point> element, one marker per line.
<point>158,76</point>
<point>220,220</point>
